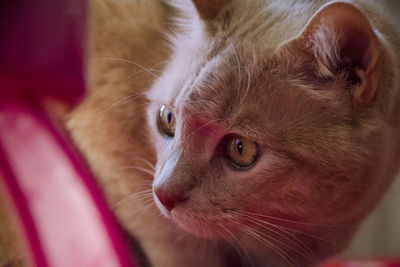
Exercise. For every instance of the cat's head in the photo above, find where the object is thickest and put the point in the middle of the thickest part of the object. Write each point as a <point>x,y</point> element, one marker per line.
<point>257,117</point>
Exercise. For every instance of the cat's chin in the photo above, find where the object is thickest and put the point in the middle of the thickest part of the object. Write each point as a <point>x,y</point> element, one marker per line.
<point>209,229</point>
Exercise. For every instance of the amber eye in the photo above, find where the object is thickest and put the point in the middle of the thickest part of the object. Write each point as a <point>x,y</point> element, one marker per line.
<point>166,121</point>
<point>241,151</point>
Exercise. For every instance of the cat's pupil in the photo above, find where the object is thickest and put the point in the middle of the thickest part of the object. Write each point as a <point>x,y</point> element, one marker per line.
<point>166,121</point>
<point>239,145</point>
<point>169,117</point>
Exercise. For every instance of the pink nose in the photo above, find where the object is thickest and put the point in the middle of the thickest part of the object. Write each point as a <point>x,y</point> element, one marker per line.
<point>169,200</point>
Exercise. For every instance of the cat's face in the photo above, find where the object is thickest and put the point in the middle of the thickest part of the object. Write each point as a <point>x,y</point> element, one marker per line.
<point>244,132</point>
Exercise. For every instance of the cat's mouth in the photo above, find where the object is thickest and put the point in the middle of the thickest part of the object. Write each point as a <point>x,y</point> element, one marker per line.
<point>205,225</point>
<point>194,218</point>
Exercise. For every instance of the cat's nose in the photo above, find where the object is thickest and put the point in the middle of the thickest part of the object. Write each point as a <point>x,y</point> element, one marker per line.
<point>168,199</point>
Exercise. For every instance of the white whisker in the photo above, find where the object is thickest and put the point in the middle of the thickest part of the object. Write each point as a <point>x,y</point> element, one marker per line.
<point>152,166</point>
<point>151,69</point>
<point>150,172</point>
<point>247,89</point>
<point>298,231</point>
<point>122,100</point>
<point>302,247</point>
<point>127,61</point>
<point>235,239</point>
<point>135,196</point>
<point>290,221</point>
<point>256,234</point>
<point>144,208</point>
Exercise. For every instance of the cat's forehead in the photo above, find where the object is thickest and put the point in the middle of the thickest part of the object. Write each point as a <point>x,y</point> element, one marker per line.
<point>234,88</point>
<point>248,91</point>
<point>236,76</point>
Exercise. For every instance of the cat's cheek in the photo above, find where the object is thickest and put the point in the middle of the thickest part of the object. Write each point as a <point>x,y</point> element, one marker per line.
<point>202,224</point>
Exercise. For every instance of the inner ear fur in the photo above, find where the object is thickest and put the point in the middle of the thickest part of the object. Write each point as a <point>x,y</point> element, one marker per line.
<point>208,9</point>
<point>340,37</point>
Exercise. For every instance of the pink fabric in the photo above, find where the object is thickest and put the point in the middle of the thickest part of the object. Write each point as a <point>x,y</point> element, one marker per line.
<point>42,49</point>
<point>64,218</point>
<point>66,222</point>
<point>363,263</point>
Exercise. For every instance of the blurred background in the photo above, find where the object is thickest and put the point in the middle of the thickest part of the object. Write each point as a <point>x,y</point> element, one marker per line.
<point>379,236</point>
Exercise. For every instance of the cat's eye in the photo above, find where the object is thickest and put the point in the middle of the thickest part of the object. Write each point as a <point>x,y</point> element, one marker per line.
<point>241,151</point>
<point>166,121</point>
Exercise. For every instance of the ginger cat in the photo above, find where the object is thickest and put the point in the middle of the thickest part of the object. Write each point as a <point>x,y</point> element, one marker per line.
<point>241,133</point>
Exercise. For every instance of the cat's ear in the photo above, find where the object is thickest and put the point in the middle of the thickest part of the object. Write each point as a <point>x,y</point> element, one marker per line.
<point>340,37</point>
<point>208,9</point>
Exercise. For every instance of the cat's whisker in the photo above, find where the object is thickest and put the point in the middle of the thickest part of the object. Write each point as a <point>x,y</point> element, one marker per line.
<point>151,165</point>
<point>131,108</point>
<point>197,240</point>
<point>285,255</point>
<point>235,239</point>
<point>313,236</point>
<point>146,183</point>
<point>149,172</point>
<point>204,244</point>
<point>217,93</point>
<point>145,207</point>
<point>122,100</point>
<point>224,238</point>
<point>247,89</point>
<point>216,249</point>
<point>134,196</point>
<point>209,244</point>
<point>296,242</point>
<point>238,63</point>
<point>205,101</point>
<point>215,89</point>
<point>263,239</point>
<point>142,71</point>
<point>151,68</point>
<point>267,225</point>
<point>292,221</point>
<point>127,61</point>
<point>292,230</point>
<point>257,235</point>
